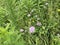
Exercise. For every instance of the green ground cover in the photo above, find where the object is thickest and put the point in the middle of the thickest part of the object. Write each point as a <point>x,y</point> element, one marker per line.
<point>29,22</point>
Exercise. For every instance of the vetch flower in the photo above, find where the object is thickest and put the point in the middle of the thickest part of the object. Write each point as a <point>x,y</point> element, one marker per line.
<point>32,29</point>
<point>38,24</point>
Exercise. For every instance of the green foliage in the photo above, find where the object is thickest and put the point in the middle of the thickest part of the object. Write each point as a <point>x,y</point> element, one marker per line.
<point>21,14</point>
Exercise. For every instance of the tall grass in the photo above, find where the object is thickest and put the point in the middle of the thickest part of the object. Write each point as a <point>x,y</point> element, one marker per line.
<point>18,16</point>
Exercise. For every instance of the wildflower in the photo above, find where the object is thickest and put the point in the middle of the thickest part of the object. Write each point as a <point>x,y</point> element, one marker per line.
<point>29,15</point>
<point>38,24</point>
<point>32,11</point>
<point>21,30</point>
<point>58,35</point>
<point>32,29</point>
<point>46,3</point>
<point>38,18</point>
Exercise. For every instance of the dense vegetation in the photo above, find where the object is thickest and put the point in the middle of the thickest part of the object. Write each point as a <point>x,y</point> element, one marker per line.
<point>29,22</point>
